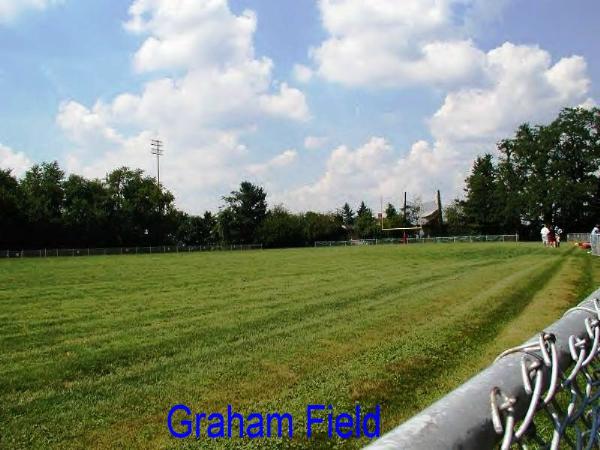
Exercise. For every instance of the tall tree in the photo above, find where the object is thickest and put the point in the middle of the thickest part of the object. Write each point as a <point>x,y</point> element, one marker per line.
<point>347,215</point>
<point>244,212</point>
<point>455,219</point>
<point>196,230</point>
<point>324,227</point>
<point>11,220</point>
<point>141,213</point>
<point>510,191</point>
<point>366,226</point>
<point>550,173</point>
<point>481,203</point>
<point>85,214</point>
<point>43,201</point>
<point>282,229</point>
<point>392,218</point>
<point>363,210</point>
<point>575,161</point>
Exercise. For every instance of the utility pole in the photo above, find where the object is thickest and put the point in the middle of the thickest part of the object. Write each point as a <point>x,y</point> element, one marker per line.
<point>156,148</point>
<point>404,209</point>
<point>439,205</point>
<point>381,214</point>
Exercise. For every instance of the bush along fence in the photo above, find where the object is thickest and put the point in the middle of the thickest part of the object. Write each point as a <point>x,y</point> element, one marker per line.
<point>542,394</point>
<point>47,253</point>
<point>432,240</point>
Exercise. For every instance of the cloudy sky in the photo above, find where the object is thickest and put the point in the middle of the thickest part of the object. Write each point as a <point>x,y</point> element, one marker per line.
<point>320,101</point>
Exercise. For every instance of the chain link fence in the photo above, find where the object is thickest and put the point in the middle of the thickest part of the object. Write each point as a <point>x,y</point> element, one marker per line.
<point>578,237</point>
<point>542,394</point>
<point>430,240</point>
<point>47,252</point>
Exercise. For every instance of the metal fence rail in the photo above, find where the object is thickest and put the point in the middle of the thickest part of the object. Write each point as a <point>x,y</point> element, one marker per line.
<point>542,394</point>
<point>54,252</point>
<point>432,240</point>
<point>578,237</point>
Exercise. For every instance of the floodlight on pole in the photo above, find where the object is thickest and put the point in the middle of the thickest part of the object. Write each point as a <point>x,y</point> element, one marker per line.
<point>156,148</point>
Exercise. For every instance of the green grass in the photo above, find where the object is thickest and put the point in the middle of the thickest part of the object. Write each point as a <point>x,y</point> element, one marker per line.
<point>94,351</point>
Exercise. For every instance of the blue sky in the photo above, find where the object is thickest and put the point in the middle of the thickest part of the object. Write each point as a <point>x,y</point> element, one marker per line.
<point>319,101</point>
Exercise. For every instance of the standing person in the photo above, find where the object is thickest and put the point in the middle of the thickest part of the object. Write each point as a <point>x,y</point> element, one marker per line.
<point>551,237</point>
<point>558,231</point>
<point>596,229</point>
<point>544,234</point>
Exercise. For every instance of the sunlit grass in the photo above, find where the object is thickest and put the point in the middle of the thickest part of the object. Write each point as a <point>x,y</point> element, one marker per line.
<point>94,351</point>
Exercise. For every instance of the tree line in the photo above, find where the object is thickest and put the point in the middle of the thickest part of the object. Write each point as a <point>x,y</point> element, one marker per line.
<point>46,209</point>
<point>543,174</point>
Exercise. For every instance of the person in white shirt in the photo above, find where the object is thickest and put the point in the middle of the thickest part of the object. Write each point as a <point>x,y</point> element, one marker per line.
<point>544,233</point>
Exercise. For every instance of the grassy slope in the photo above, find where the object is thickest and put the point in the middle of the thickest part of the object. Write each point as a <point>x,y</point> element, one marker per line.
<point>95,350</point>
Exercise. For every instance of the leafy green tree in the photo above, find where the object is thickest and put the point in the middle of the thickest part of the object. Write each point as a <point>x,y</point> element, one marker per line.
<point>243,214</point>
<point>366,226</point>
<point>413,213</point>
<point>392,218</point>
<point>510,191</point>
<point>141,213</point>
<point>11,220</point>
<point>549,173</point>
<point>455,219</point>
<point>390,211</point>
<point>196,230</point>
<point>280,228</point>
<point>323,227</point>
<point>43,194</point>
<point>575,162</point>
<point>85,211</point>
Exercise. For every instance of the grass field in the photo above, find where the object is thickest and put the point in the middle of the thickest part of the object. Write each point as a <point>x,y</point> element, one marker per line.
<point>94,351</point>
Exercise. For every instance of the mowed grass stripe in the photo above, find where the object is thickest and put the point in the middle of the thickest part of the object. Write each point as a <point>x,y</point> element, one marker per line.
<point>188,329</point>
<point>268,345</point>
<point>331,391</point>
<point>298,297</point>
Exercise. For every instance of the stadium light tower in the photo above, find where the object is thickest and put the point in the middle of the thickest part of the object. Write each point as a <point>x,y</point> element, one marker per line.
<point>156,148</point>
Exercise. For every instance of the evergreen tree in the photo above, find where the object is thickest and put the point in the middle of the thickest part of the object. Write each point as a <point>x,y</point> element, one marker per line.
<point>347,215</point>
<point>481,203</point>
<point>245,210</point>
<point>363,210</point>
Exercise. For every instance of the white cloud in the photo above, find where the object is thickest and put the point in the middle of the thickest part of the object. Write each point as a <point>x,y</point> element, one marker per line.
<point>350,175</point>
<point>380,43</point>
<point>17,162</point>
<point>11,9</point>
<point>521,84</point>
<point>187,34</point>
<point>302,73</point>
<point>284,159</point>
<point>222,91</point>
<point>375,170</point>
<point>315,142</point>
<point>289,102</point>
